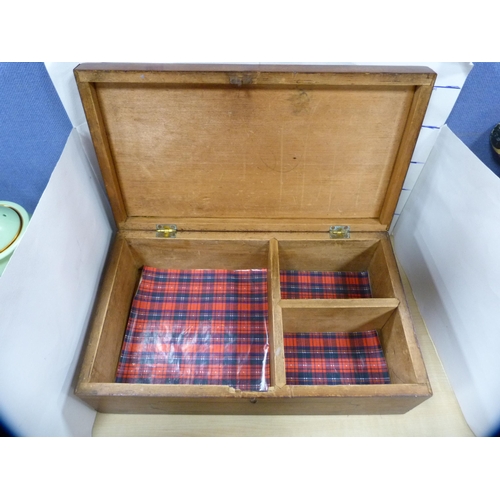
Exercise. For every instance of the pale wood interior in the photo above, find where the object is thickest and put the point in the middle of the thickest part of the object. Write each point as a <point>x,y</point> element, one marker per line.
<point>318,315</point>
<point>397,352</point>
<point>327,255</point>
<point>179,253</point>
<point>267,152</point>
<point>127,275</point>
<point>381,278</point>
<point>341,315</point>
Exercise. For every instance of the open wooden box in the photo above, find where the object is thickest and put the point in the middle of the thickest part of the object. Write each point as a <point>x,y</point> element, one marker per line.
<point>254,165</point>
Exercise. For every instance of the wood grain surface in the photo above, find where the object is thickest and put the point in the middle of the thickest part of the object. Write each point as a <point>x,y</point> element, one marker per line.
<point>207,144</point>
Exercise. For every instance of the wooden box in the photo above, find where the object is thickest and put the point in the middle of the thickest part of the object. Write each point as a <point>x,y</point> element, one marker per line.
<point>254,165</point>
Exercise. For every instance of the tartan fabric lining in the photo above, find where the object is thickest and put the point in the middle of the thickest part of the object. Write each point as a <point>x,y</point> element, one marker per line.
<point>198,327</point>
<point>331,358</point>
<point>334,358</point>
<point>210,327</point>
<point>325,285</point>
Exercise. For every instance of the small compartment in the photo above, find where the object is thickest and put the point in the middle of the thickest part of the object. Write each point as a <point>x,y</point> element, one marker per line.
<point>335,358</point>
<point>384,367</point>
<point>335,342</point>
<point>361,267</point>
<point>375,330</point>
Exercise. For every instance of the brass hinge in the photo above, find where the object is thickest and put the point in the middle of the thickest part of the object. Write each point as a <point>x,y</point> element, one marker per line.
<point>340,232</point>
<point>166,230</point>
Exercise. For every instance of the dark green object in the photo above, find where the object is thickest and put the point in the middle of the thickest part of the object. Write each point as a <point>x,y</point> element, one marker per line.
<point>495,139</point>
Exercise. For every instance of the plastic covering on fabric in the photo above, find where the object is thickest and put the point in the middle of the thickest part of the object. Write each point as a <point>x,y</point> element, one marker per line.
<point>209,327</point>
<point>198,327</point>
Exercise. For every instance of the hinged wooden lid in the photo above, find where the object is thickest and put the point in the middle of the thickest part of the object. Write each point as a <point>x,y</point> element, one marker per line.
<point>248,148</point>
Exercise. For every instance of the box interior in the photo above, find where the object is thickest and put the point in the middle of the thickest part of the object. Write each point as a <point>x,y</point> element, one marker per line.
<point>310,315</point>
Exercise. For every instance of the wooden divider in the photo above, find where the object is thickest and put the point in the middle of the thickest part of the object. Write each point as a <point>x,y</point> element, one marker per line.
<point>277,350</point>
<point>338,315</point>
<point>111,315</point>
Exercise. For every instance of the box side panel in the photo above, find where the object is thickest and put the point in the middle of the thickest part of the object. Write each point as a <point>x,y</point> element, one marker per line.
<point>376,405</point>
<point>110,316</point>
<point>186,253</point>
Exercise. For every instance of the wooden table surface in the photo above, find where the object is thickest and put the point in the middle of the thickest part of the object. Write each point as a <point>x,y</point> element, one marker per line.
<point>438,416</point>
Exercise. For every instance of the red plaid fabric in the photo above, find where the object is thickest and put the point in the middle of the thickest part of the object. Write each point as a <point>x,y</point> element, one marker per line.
<point>325,285</point>
<point>210,327</point>
<point>198,327</point>
<point>334,358</point>
<point>331,358</point>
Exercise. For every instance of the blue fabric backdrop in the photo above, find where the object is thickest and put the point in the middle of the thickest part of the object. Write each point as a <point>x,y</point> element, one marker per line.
<point>34,128</point>
<point>477,111</point>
